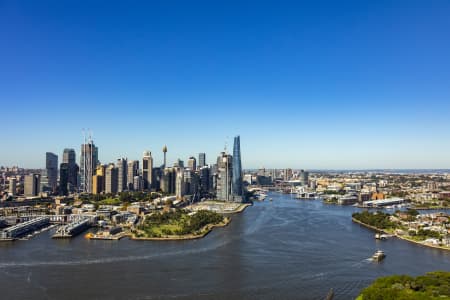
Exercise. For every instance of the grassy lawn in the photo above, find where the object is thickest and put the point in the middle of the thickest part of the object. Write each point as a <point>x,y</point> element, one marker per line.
<point>176,223</point>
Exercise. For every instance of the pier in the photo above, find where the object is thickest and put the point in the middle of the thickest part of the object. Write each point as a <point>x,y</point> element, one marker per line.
<point>72,229</point>
<point>21,229</point>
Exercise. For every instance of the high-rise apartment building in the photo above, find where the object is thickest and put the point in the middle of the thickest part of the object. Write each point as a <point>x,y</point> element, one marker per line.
<point>111,179</point>
<point>32,185</point>
<point>224,177</point>
<point>147,170</point>
<point>12,186</point>
<point>88,163</point>
<point>122,174</point>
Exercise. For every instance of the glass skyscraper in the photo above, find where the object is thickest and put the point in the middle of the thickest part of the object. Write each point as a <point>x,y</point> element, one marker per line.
<point>237,170</point>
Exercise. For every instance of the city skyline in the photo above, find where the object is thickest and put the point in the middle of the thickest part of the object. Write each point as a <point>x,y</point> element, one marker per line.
<point>320,85</point>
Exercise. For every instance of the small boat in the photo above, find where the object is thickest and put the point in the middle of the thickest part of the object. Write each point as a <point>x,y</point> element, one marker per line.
<point>378,256</point>
<point>270,199</point>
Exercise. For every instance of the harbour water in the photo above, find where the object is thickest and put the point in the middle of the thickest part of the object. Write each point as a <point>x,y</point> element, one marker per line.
<point>280,249</point>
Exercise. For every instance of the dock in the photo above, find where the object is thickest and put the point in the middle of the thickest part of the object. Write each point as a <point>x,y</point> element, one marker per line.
<point>72,229</point>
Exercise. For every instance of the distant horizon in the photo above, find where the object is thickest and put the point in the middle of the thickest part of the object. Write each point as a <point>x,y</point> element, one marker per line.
<point>318,85</point>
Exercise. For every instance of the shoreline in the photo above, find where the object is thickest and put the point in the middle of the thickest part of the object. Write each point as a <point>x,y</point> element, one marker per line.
<point>242,207</point>
<point>207,229</point>
<point>400,237</point>
<point>430,208</point>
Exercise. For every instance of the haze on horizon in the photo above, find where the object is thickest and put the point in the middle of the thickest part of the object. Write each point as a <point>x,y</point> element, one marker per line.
<point>314,85</point>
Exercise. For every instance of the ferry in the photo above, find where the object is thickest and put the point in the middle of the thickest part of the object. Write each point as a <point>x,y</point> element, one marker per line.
<point>378,256</point>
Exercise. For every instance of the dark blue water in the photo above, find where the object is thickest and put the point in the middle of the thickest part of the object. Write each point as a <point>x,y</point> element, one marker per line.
<point>285,249</point>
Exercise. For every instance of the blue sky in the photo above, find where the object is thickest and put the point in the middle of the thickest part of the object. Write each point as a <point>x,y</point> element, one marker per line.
<point>307,84</point>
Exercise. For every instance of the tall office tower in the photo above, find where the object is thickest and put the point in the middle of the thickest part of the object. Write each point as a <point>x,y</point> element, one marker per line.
<point>88,163</point>
<point>192,163</point>
<point>98,180</point>
<point>51,165</point>
<point>201,160</point>
<point>213,174</point>
<point>133,170</point>
<point>12,186</point>
<point>224,177</point>
<point>44,185</point>
<point>168,180</point>
<point>204,180</point>
<point>237,171</point>
<point>138,183</point>
<point>180,189</point>
<point>111,179</point>
<point>164,151</point>
<point>304,176</point>
<point>122,174</point>
<point>64,171</point>
<point>194,187</point>
<point>32,185</point>
<point>147,170</point>
<point>178,164</point>
<point>69,157</point>
<point>156,178</point>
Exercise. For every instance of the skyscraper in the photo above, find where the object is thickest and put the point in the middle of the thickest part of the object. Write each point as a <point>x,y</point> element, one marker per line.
<point>51,165</point>
<point>98,180</point>
<point>133,170</point>
<point>201,160</point>
<point>32,185</point>
<point>111,179</point>
<point>12,186</point>
<point>180,189</point>
<point>122,174</point>
<point>237,170</point>
<point>147,168</point>
<point>69,158</point>
<point>192,163</point>
<point>204,179</point>
<point>168,180</point>
<point>304,177</point>
<point>88,162</point>
<point>224,177</point>
<point>64,171</point>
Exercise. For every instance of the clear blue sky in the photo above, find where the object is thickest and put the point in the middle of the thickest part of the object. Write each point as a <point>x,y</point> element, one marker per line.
<point>311,84</point>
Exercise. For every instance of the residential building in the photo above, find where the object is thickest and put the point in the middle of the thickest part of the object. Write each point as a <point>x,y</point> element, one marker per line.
<point>32,185</point>
<point>122,174</point>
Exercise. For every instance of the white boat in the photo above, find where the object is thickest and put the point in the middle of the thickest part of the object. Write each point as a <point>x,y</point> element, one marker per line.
<point>378,256</point>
